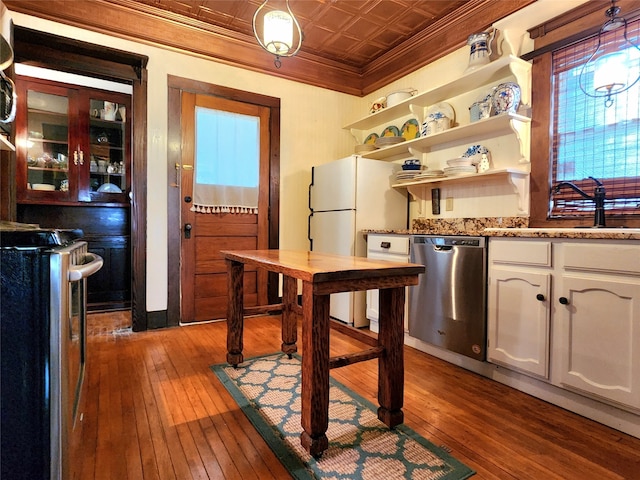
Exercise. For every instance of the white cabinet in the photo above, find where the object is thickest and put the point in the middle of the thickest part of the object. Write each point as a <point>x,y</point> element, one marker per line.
<point>507,136</point>
<point>386,247</point>
<point>568,311</point>
<point>518,312</point>
<point>598,321</point>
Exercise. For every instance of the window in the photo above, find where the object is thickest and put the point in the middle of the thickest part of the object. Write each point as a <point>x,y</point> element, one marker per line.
<point>590,139</point>
<point>227,162</point>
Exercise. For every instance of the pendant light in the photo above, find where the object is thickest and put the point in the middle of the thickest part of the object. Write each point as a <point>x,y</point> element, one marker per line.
<point>278,35</point>
<point>615,64</point>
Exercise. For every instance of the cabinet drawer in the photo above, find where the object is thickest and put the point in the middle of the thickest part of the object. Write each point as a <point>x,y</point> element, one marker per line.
<point>522,252</point>
<point>618,258</point>
<point>393,244</point>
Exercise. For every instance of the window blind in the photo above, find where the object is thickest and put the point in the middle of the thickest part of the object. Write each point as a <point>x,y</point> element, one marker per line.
<point>590,139</point>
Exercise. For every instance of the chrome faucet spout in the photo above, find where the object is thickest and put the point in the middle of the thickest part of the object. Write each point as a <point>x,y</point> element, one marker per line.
<point>599,194</point>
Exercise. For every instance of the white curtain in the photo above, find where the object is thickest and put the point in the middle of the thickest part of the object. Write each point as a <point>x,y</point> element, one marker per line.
<point>227,162</point>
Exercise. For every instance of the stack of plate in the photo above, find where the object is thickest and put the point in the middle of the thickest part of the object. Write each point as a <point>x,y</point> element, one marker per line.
<point>390,140</point>
<point>461,162</point>
<point>407,175</point>
<point>449,171</point>
<point>427,174</point>
<point>367,147</point>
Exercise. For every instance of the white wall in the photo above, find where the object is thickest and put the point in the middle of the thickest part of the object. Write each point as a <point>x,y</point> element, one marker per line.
<point>311,123</point>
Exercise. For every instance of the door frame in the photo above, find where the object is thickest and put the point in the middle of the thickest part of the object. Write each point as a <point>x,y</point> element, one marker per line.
<point>176,85</point>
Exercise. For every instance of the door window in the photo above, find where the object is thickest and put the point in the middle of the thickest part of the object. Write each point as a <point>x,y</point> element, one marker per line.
<point>227,161</point>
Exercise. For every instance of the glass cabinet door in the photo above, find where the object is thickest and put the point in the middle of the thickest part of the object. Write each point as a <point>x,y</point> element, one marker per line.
<point>48,162</point>
<point>107,148</point>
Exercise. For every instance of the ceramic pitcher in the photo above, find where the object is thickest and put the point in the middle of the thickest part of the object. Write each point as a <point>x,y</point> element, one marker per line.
<point>110,110</point>
<point>480,44</point>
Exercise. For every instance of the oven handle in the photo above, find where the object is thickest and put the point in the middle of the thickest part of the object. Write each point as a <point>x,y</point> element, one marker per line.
<point>78,272</point>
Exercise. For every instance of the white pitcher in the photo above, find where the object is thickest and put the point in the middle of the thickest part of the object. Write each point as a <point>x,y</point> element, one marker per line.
<point>110,110</point>
<point>480,44</point>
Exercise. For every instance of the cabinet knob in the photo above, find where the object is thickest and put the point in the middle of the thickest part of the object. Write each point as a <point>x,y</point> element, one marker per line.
<point>385,244</point>
<point>564,300</point>
<point>540,297</point>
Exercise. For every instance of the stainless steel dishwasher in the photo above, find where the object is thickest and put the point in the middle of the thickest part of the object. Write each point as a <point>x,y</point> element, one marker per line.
<point>448,307</point>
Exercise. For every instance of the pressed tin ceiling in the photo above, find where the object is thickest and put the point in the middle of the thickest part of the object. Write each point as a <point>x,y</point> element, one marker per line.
<point>354,46</point>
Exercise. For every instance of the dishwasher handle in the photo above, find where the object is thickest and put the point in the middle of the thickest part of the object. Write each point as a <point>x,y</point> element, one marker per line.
<point>442,248</point>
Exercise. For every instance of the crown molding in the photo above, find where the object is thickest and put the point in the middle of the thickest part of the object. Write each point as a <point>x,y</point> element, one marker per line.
<point>152,26</point>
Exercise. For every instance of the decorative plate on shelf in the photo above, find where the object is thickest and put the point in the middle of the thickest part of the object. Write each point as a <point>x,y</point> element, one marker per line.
<point>410,129</point>
<point>442,108</point>
<point>371,139</point>
<point>506,98</point>
<point>390,131</point>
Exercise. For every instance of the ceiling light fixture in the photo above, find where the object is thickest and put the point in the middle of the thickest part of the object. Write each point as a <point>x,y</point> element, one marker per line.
<point>277,32</point>
<point>615,64</point>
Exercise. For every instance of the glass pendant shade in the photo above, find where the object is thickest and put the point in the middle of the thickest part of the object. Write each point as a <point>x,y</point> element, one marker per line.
<point>610,73</point>
<point>278,32</point>
<point>615,64</point>
<point>281,34</point>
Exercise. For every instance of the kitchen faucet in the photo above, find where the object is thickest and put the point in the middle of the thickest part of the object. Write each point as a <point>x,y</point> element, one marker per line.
<point>599,193</point>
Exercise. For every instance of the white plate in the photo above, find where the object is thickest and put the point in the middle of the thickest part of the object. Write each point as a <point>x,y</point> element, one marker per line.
<point>109,188</point>
<point>444,108</point>
<point>459,170</point>
<point>43,186</point>
<point>460,162</point>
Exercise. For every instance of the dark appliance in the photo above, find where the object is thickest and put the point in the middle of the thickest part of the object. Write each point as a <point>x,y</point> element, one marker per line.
<point>448,307</point>
<point>43,341</point>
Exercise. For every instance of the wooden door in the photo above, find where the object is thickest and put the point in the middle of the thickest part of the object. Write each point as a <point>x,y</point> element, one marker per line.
<point>203,271</point>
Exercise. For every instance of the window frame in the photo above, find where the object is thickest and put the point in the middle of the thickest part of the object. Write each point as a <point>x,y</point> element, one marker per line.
<point>576,25</point>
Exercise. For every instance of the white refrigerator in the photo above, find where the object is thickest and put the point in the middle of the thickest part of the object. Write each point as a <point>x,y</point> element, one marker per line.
<point>348,196</point>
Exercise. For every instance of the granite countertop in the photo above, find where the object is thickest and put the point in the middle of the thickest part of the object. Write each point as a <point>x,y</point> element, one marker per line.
<point>506,227</point>
<point>595,233</point>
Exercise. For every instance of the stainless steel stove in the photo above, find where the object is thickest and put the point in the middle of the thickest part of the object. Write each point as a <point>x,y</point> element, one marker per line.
<point>43,342</point>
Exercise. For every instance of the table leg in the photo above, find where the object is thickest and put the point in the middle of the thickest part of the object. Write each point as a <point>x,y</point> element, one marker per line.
<point>289,317</point>
<point>391,364</point>
<point>235,311</point>
<point>315,371</point>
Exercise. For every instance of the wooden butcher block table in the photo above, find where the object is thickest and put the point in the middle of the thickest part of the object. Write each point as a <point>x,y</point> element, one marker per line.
<point>321,275</point>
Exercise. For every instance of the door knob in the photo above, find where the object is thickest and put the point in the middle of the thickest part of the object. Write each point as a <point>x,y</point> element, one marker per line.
<point>187,230</point>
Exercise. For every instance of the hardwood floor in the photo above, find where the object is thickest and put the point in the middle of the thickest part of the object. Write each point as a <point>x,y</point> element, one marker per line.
<point>154,410</point>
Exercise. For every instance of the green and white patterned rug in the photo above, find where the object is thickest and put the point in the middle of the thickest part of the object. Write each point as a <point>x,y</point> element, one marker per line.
<point>267,389</point>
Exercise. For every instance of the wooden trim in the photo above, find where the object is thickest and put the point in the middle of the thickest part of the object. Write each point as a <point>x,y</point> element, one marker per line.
<point>575,26</point>
<point>433,43</point>
<point>156,27</point>
<point>174,232</point>
<point>39,48</point>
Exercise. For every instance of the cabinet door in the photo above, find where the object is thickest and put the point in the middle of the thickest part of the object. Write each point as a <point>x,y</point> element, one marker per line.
<point>600,344</point>
<point>107,173</point>
<point>518,319</point>
<point>47,165</point>
<point>76,144</point>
